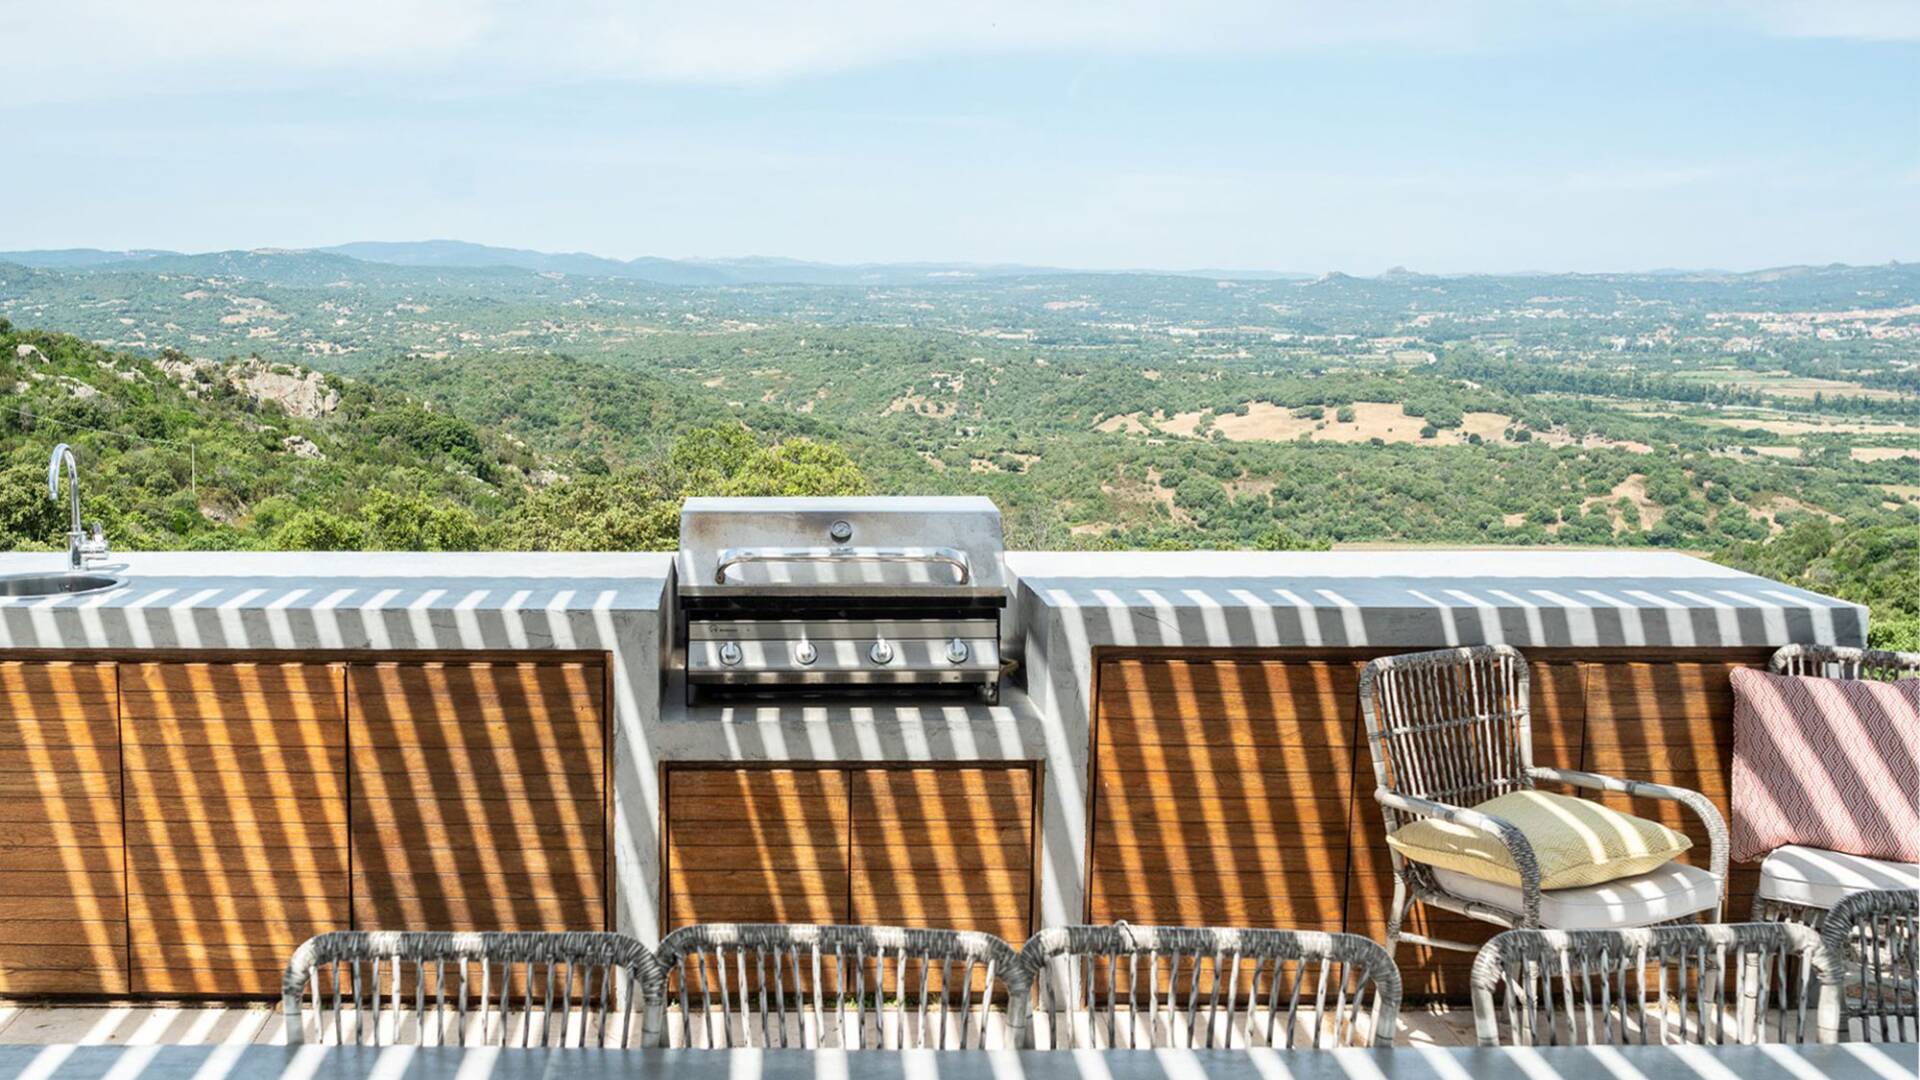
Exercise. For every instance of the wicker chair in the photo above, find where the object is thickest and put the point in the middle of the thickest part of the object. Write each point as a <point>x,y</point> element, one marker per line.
<point>876,987</point>
<point>1874,940</point>
<point>1128,987</point>
<point>1800,883</point>
<point>578,989</point>
<point>1667,984</point>
<point>1451,728</point>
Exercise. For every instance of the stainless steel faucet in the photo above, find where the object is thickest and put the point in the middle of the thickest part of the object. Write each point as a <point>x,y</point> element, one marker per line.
<point>81,548</point>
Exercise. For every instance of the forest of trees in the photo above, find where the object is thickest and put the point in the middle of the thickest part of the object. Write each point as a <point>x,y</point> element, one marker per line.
<point>164,468</point>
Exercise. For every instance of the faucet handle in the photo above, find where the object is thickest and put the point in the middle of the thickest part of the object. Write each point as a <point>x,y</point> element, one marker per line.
<point>94,548</point>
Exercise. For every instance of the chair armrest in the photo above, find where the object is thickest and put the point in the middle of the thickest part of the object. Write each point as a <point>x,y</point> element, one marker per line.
<point>1702,807</point>
<point>1519,849</point>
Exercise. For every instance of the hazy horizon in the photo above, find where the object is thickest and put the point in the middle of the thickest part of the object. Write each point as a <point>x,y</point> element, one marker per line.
<point>1477,136</point>
<point>1051,267</point>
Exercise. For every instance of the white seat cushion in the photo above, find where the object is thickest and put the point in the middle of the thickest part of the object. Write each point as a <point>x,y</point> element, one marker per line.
<point>1813,877</point>
<point>1670,892</point>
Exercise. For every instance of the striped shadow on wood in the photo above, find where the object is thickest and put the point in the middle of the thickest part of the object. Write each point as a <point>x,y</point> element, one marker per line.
<point>63,890</point>
<point>236,816</point>
<point>479,795</point>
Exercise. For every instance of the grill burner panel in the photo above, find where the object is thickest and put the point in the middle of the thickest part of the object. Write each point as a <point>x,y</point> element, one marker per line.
<point>819,597</point>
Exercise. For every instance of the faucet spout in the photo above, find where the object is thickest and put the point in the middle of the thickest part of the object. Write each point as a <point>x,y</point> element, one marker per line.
<point>76,536</point>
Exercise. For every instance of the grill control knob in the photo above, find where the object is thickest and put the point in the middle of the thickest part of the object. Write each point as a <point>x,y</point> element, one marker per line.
<point>805,654</point>
<point>730,654</point>
<point>957,651</point>
<point>881,653</point>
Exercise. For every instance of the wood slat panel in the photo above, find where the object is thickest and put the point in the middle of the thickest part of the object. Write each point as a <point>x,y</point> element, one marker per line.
<point>75,906</point>
<point>985,811</point>
<point>274,819</point>
<point>63,887</point>
<point>1223,791</point>
<point>89,724</point>
<point>265,734</point>
<point>476,911</point>
<point>214,857</point>
<point>756,845</point>
<point>155,832</point>
<point>478,795</point>
<point>559,884</point>
<point>92,876</point>
<point>452,806</point>
<point>81,680</point>
<point>322,757</point>
<point>236,814</point>
<point>508,768</point>
<point>1671,723</point>
<point>250,899</point>
<point>231,706</point>
<point>99,812</point>
<point>227,687</point>
<point>180,981</point>
<point>1558,704</point>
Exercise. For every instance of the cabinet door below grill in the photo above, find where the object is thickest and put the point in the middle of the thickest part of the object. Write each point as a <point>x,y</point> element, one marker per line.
<point>945,847</point>
<point>756,845</point>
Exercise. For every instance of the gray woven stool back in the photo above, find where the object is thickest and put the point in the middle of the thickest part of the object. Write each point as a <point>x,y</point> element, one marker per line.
<point>487,989</point>
<point>1124,987</point>
<point>1874,940</point>
<point>1716,984</point>
<point>873,987</point>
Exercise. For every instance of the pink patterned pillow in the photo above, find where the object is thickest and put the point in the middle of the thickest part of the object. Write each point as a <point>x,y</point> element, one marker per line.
<point>1831,763</point>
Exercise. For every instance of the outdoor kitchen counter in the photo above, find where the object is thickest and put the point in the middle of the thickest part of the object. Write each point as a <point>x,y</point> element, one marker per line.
<point>1638,630</point>
<point>1070,603</point>
<point>474,651</point>
<point>1211,700</point>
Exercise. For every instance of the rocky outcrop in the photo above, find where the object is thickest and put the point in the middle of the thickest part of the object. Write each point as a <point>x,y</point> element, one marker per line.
<point>29,353</point>
<point>304,394</point>
<point>301,446</point>
<point>298,392</point>
<point>79,390</point>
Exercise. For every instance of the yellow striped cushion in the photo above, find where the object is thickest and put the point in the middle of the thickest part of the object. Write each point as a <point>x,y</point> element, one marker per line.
<point>1576,842</point>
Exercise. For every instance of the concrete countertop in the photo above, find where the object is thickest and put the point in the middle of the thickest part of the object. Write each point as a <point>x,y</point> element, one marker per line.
<point>338,600</point>
<point>1419,598</point>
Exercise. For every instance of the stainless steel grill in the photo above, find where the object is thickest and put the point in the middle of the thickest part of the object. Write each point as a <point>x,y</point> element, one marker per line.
<point>818,597</point>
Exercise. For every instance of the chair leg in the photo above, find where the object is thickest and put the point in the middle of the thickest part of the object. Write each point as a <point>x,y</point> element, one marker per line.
<point>1396,916</point>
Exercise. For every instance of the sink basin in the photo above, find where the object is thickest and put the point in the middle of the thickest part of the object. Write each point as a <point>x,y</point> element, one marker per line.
<point>55,584</point>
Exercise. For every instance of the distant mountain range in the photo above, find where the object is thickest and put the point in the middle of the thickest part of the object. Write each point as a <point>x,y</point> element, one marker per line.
<point>460,255</point>
<point>353,260</point>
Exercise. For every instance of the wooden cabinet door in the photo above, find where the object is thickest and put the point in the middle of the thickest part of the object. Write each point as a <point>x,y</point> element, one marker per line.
<point>479,797</point>
<point>63,896</point>
<point>236,806</point>
<point>756,845</point>
<point>944,847</point>
<point>1670,722</point>
<point>1223,792</point>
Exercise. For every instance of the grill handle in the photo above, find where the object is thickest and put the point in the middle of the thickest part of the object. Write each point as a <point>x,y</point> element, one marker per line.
<point>939,556</point>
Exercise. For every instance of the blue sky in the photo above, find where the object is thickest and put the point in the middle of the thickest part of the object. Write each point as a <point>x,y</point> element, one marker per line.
<point>1486,135</point>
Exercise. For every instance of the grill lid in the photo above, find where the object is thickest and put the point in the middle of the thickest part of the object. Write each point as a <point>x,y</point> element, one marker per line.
<point>880,547</point>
